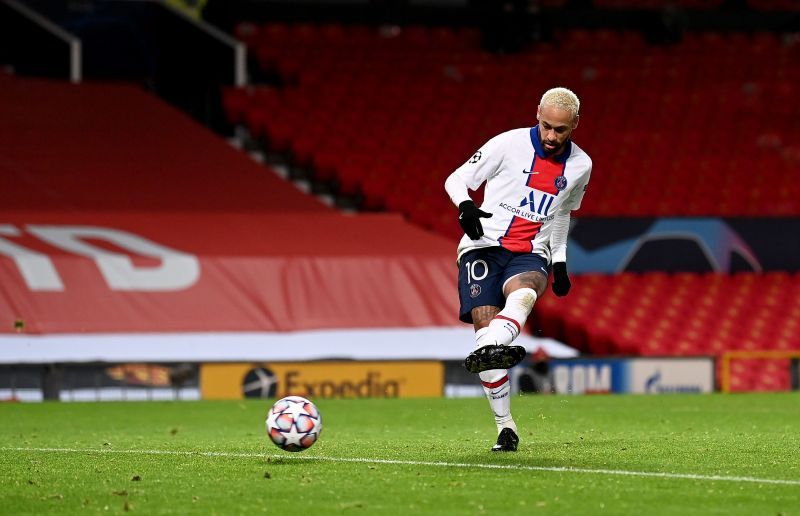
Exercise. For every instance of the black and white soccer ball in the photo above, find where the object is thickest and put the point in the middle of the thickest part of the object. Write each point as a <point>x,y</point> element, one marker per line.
<point>294,423</point>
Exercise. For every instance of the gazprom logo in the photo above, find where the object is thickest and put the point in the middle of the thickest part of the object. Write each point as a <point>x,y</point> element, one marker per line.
<point>538,202</point>
<point>653,385</point>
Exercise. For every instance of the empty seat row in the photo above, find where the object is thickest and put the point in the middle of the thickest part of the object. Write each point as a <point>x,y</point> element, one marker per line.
<point>666,126</point>
<point>659,314</point>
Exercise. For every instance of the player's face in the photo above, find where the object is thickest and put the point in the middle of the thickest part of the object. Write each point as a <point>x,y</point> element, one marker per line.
<point>555,127</point>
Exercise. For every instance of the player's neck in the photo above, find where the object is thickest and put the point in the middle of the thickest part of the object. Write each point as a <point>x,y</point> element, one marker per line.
<point>559,152</point>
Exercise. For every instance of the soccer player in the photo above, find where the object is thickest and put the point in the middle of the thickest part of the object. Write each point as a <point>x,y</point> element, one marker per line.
<point>534,178</point>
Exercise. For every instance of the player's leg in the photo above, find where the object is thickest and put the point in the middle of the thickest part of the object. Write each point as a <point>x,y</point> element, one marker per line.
<point>494,349</point>
<point>496,386</point>
<point>481,295</point>
<point>482,278</point>
<point>525,281</point>
<point>521,291</point>
<point>501,327</point>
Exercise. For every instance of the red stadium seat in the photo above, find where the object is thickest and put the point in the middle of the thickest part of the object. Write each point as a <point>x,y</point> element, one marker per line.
<point>436,90</point>
<point>657,314</point>
<point>388,114</point>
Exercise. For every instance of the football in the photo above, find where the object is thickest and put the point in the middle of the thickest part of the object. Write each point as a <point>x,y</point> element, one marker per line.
<point>294,423</point>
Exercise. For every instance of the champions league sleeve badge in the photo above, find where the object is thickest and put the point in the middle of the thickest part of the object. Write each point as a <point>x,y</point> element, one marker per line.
<point>561,183</point>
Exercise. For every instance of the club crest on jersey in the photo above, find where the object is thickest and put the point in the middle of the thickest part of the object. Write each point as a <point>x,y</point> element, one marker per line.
<point>476,157</point>
<point>561,183</point>
<point>474,290</point>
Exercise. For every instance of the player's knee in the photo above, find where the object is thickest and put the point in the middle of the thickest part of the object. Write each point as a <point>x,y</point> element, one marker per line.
<point>530,280</point>
<point>522,299</point>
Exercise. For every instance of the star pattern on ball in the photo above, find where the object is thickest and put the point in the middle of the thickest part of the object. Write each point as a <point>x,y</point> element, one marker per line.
<point>293,436</point>
<point>271,419</point>
<point>296,408</point>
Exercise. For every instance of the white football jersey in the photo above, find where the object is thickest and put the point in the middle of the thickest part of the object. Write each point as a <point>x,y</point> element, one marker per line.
<point>524,190</point>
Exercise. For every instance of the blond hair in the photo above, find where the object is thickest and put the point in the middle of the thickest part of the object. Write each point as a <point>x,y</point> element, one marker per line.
<point>561,98</point>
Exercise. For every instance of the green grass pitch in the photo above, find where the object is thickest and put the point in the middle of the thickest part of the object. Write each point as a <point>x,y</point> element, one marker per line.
<point>703,454</point>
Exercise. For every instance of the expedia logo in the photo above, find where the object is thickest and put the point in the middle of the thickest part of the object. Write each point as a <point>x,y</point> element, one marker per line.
<point>371,386</point>
<point>259,383</point>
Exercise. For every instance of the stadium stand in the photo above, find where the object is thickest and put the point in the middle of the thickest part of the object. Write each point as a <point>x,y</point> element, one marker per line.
<point>698,107</point>
<point>370,95</point>
<point>384,114</point>
<point>656,314</point>
<point>102,146</point>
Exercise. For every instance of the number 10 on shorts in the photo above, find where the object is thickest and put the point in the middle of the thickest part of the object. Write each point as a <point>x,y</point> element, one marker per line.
<point>476,270</point>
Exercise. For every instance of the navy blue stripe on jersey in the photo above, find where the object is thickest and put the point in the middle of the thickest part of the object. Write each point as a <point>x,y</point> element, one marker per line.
<point>537,147</point>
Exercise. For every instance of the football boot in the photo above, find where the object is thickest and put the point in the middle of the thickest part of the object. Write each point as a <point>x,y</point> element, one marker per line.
<point>506,441</point>
<point>494,356</point>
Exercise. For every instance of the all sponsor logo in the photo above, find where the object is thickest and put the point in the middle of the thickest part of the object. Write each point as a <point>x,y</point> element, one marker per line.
<point>538,202</point>
<point>525,214</point>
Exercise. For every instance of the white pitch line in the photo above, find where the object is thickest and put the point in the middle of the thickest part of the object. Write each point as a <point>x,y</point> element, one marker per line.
<point>517,467</point>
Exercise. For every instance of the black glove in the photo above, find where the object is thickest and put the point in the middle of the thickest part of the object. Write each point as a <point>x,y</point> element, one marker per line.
<point>561,283</point>
<point>469,216</point>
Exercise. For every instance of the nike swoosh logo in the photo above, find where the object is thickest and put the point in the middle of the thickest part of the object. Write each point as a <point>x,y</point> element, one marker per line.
<point>460,216</point>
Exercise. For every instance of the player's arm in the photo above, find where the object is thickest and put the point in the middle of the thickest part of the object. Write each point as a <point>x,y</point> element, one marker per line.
<point>469,215</point>
<point>469,176</point>
<point>558,252</point>
<point>558,238</point>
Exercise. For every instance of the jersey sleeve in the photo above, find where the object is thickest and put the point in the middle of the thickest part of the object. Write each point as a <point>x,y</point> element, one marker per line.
<point>573,202</point>
<point>484,164</point>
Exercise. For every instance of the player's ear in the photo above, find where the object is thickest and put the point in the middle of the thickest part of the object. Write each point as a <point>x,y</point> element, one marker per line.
<point>575,122</point>
<point>538,112</point>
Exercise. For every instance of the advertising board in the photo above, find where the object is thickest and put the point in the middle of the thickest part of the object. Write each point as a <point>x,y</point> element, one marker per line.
<point>633,375</point>
<point>328,379</point>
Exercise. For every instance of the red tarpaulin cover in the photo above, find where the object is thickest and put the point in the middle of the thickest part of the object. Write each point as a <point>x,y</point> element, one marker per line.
<point>120,214</point>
